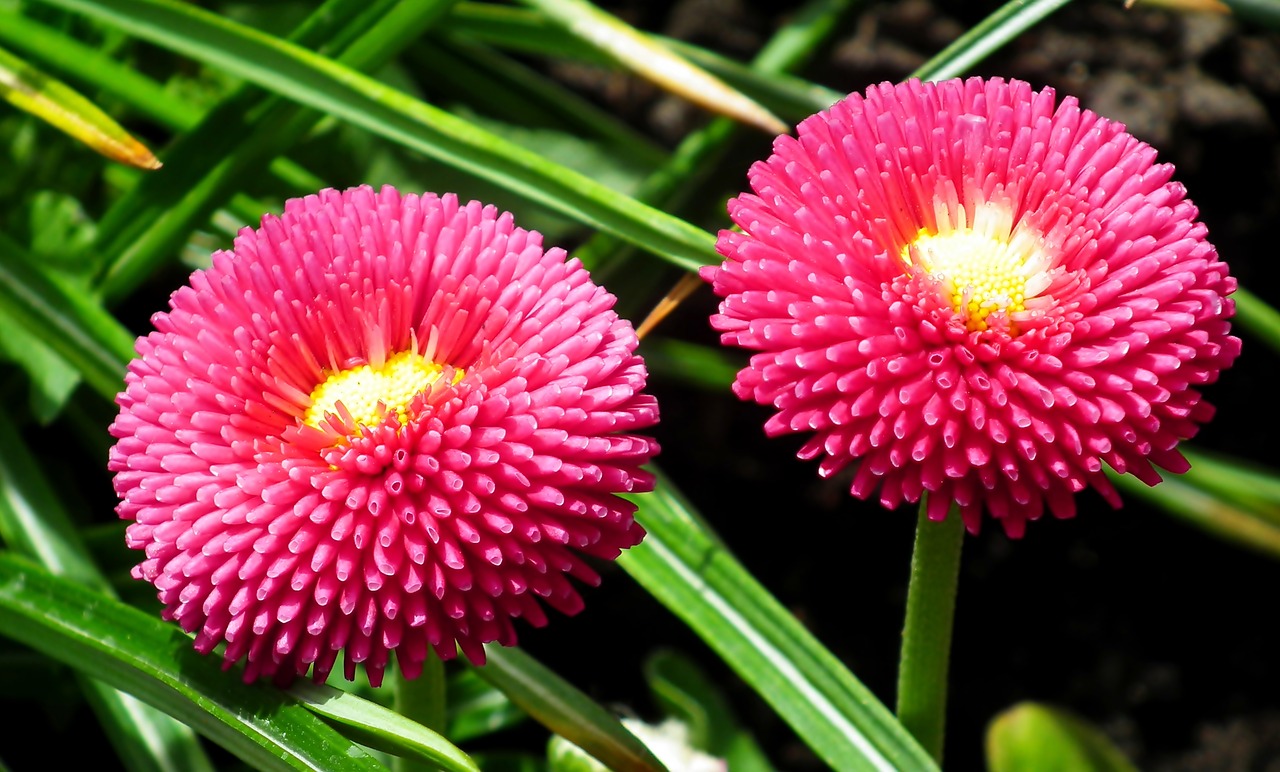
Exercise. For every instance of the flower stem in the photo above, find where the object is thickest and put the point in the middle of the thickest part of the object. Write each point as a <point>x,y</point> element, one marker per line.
<point>926,636</point>
<point>422,700</point>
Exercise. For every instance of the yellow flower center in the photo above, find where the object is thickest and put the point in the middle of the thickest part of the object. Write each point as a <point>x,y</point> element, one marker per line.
<point>370,394</point>
<point>990,268</point>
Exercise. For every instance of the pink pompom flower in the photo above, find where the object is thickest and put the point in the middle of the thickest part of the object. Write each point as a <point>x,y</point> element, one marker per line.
<point>966,289</point>
<point>381,422</point>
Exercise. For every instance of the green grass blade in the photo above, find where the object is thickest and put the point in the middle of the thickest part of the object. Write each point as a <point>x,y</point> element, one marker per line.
<point>1008,22</point>
<point>477,708</point>
<point>33,522</point>
<point>530,32</point>
<point>566,711</point>
<point>686,567</point>
<point>59,105</point>
<point>228,147</point>
<point>1206,510</point>
<point>1258,318</point>
<point>656,63</point>
<point>688,694</point>
<point>377,727</point>
<point>330,87</point>
<point>86,64</point>
<point>154,661</point>
<point>501,86</point>
<point>79,330</point>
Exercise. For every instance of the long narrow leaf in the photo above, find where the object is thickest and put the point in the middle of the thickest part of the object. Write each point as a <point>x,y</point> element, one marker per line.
<point>232,143</point>
<point>154,661</point>
<point>62,107</point>
<point>325,85</point>
<point>84,334</point>
<point>527,31</point>
<point>653,61</point>
<point>565,710</point>
<point>1010,20</point>
<point>684,565</point>
<point>378,727</point>
<point>1207,511</point>
<point>33,522</point>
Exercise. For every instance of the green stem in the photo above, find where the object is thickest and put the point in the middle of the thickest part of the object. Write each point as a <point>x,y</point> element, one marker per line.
<point>422,700</point>
<point>926,636</point>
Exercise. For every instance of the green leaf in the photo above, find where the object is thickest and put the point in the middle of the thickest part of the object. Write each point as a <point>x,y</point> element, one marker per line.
<point>980,41</point>
<point>77,329</point>
<point>686,567</point>
<point>54,102</point>
<point>1184,498</point>
<point>380,728</point>
<point>86,64</point>
<point>52,379</point>
<point>653,61</point>
<point>1257,317</point>
<point>688,695</point>
<point>1033,736</point>
<point>33,522</point>
<point>476,708</point>
<point>527,31</point>
<point>704,367</point>
<point>326,85</point>
<point>153,660</point>
<point>566,711</point>
<point>243,133</point>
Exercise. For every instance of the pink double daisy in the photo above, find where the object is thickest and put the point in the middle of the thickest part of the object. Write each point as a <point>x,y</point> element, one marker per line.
<point>971,290</point>
<point>381,422</point>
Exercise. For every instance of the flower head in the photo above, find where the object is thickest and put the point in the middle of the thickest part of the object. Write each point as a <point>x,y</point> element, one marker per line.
<point>380,422</point>
<point>966,289</point>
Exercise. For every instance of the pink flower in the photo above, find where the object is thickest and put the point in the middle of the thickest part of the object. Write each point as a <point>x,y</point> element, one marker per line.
<point>380,422</point>
<point>966,290</point>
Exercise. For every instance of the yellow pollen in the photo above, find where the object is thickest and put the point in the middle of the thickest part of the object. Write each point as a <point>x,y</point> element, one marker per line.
<point>370,394</point>
<point>980,274</point>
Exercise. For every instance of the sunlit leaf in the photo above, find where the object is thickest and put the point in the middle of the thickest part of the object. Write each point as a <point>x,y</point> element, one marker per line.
<point>650,59</point>
<point>59,105</point>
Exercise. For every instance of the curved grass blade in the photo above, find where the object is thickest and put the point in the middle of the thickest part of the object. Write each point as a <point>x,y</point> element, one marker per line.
<point>244,132</point>
<point>33,522</point>
<point>326,85</point>
<point>61,106</point>
<point>655,62</point>
<point>154,661</point>
<point>689,695</point>
<point>566,711</point>
<point>377,727</point>
<point>685,566</point>
<point>1225,519</point>
<point>477,708</point>
<point>980,41</point>
<point>527,31</point>
<point>86,64</point>
<point>80,331</point>
<point>1256,316</point>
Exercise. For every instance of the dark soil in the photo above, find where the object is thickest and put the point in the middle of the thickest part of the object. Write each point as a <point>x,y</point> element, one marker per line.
<point>1155,631</point>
